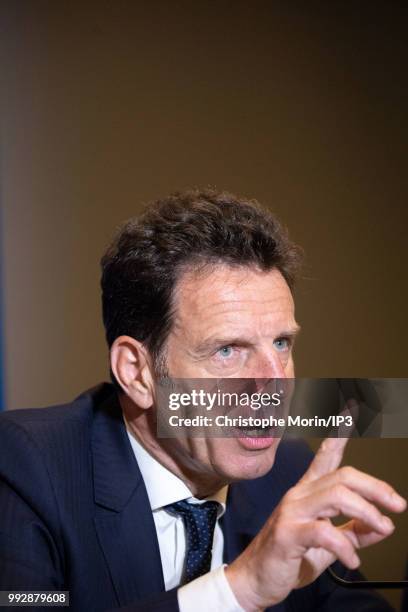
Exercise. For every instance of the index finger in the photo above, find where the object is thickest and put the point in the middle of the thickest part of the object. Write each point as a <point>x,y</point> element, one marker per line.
<point>327,459</point>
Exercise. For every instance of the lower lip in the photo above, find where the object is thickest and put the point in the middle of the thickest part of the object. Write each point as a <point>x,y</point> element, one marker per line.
<point>252,443</point>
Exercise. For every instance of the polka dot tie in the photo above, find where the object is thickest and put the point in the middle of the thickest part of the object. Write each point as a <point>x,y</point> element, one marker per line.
<point>199,522</point>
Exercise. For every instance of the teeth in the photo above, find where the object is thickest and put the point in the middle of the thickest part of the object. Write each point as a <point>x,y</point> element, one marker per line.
<point>254,432</point>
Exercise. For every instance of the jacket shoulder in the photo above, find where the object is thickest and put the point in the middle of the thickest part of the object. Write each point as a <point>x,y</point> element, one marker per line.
<point>43,445</point>
<point>41,425</point>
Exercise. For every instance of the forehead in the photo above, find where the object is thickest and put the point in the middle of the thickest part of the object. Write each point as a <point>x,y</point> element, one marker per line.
<point>233,297</point>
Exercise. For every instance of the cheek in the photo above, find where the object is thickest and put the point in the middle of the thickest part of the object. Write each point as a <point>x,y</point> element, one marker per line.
<point>202,452</point>
<point>212,452</point>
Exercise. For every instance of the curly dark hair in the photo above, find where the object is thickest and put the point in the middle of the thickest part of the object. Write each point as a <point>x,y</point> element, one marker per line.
<point>182,232</point>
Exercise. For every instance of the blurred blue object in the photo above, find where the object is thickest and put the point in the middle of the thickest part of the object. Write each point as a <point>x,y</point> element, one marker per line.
<point>2,395</point>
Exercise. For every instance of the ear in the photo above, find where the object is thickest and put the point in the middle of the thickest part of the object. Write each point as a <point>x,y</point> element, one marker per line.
<point>132,367</point>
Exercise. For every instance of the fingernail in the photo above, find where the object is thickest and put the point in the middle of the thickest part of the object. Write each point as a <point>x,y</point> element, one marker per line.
<point>397,499</point>
<point>387,523</point>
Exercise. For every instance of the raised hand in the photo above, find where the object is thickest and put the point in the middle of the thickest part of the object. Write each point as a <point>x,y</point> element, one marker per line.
<point>298,542</point>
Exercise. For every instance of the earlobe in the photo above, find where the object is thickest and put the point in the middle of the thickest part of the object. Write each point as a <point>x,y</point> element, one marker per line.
<point>130,365</point>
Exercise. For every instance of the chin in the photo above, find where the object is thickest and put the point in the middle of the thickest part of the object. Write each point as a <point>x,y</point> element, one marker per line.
<point>243,464</point>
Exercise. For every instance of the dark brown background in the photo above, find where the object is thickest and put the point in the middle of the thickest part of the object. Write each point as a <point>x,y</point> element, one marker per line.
<point>109,104</point>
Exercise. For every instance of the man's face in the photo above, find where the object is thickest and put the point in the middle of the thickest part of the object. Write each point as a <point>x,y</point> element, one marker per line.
<point>231,323</point>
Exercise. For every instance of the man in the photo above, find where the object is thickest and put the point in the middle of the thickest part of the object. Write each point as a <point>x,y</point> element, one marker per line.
<point>94,502</point>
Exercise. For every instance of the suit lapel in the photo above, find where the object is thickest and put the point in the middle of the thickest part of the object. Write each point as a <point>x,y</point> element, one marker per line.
<point>123,519</point>
<point>238,523</point>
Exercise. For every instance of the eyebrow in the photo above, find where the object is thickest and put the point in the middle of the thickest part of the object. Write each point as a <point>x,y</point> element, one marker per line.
<point>212,343</point>
<point>208,345</point>
<point>292,332</point>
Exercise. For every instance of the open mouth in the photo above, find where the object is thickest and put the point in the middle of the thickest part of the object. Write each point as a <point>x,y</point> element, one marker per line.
<point>255,432</point>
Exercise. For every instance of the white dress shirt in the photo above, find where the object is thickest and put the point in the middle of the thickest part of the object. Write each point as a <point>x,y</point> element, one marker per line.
<point>211,591</point>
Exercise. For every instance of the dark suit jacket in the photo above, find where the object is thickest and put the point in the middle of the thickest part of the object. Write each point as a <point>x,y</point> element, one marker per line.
<point>74,513</point>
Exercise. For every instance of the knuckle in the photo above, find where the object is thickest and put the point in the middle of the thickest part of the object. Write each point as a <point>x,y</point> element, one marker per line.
<point>331,538</point>
<point>325,534</point>
<point>338,491</point>
<point>346,473</point>
<point>373,513</point>
<point>322,529</point>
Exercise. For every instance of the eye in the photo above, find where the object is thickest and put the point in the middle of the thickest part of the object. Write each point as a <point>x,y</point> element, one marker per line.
<point>225,352</point>
<point>283,344</point>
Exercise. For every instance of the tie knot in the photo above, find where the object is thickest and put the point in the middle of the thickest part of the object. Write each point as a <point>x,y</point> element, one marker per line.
<point>207,510</point>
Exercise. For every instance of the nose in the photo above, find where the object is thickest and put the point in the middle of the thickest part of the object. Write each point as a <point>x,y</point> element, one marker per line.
<point>266,367</point>
<point>270,366</point>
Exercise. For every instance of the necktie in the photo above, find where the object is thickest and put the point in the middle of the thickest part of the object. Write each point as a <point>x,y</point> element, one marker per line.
<point>199,522</point>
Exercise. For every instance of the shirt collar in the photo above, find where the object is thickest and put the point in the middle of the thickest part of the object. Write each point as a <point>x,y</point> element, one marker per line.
<point>162,486</point>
